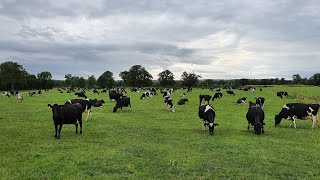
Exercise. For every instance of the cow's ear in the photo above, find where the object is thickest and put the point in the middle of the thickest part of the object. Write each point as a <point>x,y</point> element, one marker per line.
<point>49,105</point>
<point>61,106</point>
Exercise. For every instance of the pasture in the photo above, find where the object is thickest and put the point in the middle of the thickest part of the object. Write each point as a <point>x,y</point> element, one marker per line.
<point>148,142</point>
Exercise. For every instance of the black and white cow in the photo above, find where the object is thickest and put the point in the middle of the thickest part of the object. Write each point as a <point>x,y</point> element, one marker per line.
<point>114,95</point>
<point>282,94</point>
<point>146,94</point>
<point>19,97</point>
<point>81,94</point>
<point>169,103</point>
<point>31,94</point>
<point>207,115</point>
<point>98,103</point>
<point>39,93</point>
<point>230,92</point>
<point>66,114</point>
<point>182,101</point>
<point>298,110</point>
<point>204,97</point>
<point>122,102</point>
<point>95,91</point>
<point>255,117</point>
<point>260,102</point>
<point>217,95</point>
<point>5,94</point>
<point>86,105</point>
<point>242,100</point>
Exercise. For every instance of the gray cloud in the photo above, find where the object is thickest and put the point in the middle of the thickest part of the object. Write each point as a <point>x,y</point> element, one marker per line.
<point>221,39</point>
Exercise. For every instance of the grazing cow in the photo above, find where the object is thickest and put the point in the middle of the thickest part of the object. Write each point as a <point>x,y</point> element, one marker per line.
<point>81,94</point>
<point>114,95</point>
<point>96,91</point>
<point>182,101</point>
<point>122,102</point>
<point>217,95</point>
<point>298,110</point>
<point>19,97</point>
<point>282,93</point>
<point>168,102</point>
<point>260,102</point>
<point>189,89</point>
<point>218,90</point>
<point>146,94</point>
<point>98,103</point>
<point>183,95</point>
<point>230,92</point>
<point>104,91</point>
<point>204,97</point>
<point>207,114</point>
<point>242,100</point>
<point>86,105</point>
<point>255,117</point>
<point>66,114</point>
<point>253,89</point>
<point>5,94</point>
<point>32,93</point>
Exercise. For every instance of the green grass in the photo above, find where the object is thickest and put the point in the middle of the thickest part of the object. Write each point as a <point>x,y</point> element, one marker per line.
<point>148,142</point>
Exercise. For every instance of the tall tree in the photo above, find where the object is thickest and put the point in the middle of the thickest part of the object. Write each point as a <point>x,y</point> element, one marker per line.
<point>124,76</point>
<point>91,82</point>
<point>106,80</point>
<point>166,78</point>
<point>45,79</point>
<point>296,78</point>
<point>12,74</point>
<point>189,79</point>
<point>137,76</point>
<point>68,79</point>
<point>315,79</point>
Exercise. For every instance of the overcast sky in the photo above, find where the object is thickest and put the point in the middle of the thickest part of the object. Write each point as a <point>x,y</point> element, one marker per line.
<point>215,39</point>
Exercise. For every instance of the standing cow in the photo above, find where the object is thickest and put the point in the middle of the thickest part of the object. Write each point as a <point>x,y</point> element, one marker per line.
<point>207,115</point>
<point>298,110</point>
<point>255,117</point>
<point>66,114</point>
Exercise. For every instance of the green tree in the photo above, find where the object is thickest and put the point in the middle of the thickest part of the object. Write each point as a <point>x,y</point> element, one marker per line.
<point>106,80</point>
<point>137,76</point>
<point>91,82</point>
<point>166,78</point>
<point>68,79</point>
<point>296,78</point>
<point>12,74</point>
<point>315,79</point>
<point>189,79</point>
<point>45,80</point>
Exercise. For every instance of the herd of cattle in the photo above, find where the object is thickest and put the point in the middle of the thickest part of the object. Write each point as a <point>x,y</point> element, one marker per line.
<point>71,112</point>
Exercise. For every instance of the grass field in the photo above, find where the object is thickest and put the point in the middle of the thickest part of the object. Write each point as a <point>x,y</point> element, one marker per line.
<point>148,142</point>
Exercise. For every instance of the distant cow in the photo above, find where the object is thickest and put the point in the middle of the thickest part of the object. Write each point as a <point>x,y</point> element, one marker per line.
<point>81,94</point>
<point>5,94</point>
<point>98,103</point>
<point>122,102</point>
<point>39,93</point>
<point>230,92</point>
<point>32,93</point>
<point>255,117</point>
<point>260,102</point>
<point>86,105</point>
<point>182,101</point>
<point>298,110</point>
<point>204,97</point>
<point>217,95</point>
<point>96,91</point>
<point>169,103</point>
<point>207,115</point>
<point>66,114</point>
<point>19,97</point>
<point>282,93</point>
<point>114,95</point>
<point>146,94</point>
<point>242,100</point>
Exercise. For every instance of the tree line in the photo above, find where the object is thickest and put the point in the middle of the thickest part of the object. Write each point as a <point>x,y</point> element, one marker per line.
<point>14,77</point>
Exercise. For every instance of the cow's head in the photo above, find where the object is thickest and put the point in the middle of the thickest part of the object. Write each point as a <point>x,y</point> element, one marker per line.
<point>277,120</point>
<point>56,111</point>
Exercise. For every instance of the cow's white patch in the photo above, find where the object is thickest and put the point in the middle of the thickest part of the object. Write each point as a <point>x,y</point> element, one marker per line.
<point>311,109</point>
<point>208,108</point>
<point>285,107</point>
<point>211,124</point>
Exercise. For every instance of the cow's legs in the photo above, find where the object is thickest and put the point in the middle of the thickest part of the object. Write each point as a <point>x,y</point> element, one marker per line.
<point>76,126</point>
<point>88,114</point>
<point>203,127</point>
<point>294,122</point>
<point>314,120</point>
<point>59,131</point>
<point>56,131</point>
